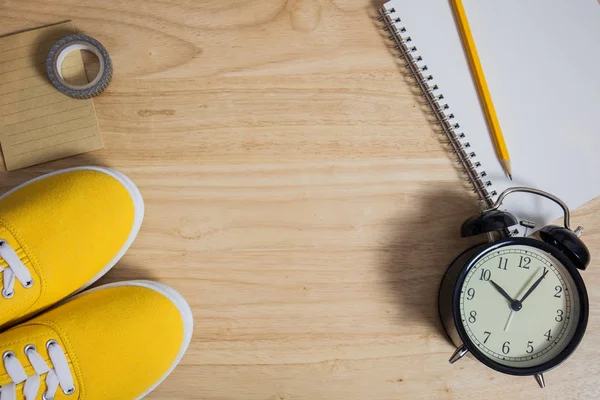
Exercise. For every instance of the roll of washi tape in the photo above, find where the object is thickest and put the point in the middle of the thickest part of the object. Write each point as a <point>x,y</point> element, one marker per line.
<point>67,45</point>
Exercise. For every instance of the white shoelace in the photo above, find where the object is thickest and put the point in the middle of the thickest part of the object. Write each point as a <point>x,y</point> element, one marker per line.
<point>60,375</point>
<point>16,269</point>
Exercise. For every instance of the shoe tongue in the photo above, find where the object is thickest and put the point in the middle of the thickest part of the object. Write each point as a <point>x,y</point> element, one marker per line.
<point>21,336</point>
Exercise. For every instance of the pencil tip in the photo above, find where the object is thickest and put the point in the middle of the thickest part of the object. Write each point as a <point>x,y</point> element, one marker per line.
<point>507,168</point>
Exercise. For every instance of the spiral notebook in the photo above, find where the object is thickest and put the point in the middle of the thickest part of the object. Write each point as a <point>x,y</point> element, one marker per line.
<point>540,59</point>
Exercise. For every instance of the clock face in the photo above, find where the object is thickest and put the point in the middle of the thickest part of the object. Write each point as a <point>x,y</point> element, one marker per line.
<point>519,306</point>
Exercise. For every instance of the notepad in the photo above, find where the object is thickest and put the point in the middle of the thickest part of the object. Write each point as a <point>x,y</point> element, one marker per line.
<point>540,59</point>
<point>37,122</point>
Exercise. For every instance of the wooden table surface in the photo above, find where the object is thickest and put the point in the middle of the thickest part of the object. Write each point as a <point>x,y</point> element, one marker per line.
<point>297,195</point>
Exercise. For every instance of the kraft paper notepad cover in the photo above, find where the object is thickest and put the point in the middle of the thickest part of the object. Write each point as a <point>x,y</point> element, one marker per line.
<point>37,122</point>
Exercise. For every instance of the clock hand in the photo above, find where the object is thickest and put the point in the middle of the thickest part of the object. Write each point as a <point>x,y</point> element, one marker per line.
<point>502,291</point>
<point>527,284</point>
<point>510,317</point>
<point>535,284</point>
<point>515,305</point>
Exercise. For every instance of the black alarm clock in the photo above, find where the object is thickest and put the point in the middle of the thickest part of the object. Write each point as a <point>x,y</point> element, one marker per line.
<point>516,304</point>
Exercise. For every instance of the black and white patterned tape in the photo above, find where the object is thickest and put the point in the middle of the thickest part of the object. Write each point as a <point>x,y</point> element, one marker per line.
<point>57,55</point>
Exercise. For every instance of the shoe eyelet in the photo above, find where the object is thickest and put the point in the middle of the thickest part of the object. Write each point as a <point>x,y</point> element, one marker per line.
<point>2,241</point>
<point>29,284</point>
<point>8,354</point>
<point>51,342</point>
<point>44,397</point>
<point>30,347</point>
<point>69,391</point>
<point>7,295</point>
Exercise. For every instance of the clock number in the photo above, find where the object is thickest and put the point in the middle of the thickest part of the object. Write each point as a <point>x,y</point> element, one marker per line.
<point>470,294</point>
<point>548,336</point>
<point>505,348</point>
<point>487,337</point>
<point>486,274</point>
<point>558,291</point>
<point>529,347</point>
<point>472,316</point>
<point>524,262</point>
<point>502,263</point>
<point>559,315</point>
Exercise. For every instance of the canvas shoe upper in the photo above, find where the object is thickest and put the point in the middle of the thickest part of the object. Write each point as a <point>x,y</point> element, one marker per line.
<point>117,341</point>
<point>60,233</point>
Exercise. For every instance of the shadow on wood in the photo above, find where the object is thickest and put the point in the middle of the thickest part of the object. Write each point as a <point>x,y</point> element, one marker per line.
<point>126,271</point>
<point>420,248</point>
<point>12,179</point>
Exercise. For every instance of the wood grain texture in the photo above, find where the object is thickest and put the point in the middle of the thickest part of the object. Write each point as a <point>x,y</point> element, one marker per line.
<point>296,194</point>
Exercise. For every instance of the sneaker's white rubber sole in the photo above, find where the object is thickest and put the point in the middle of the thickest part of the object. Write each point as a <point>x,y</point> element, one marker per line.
<point>138,204</point>
<point>178,300</point>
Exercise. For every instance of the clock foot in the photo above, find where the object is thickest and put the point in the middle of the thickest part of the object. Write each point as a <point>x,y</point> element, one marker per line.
<point>539,378</point>
<point>458,354</point>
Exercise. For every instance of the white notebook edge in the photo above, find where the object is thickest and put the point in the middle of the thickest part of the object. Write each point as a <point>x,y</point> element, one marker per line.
<point>458,139</point>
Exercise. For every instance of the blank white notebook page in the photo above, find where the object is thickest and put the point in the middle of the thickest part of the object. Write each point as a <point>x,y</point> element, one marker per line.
<point>540,59</point>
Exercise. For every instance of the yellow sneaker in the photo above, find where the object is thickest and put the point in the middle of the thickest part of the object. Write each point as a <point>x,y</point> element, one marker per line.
<point>118,341</point>
<point>60,233</point>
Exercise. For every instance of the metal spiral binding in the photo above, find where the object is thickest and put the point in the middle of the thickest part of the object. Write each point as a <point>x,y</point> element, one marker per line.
<point>457,141</point>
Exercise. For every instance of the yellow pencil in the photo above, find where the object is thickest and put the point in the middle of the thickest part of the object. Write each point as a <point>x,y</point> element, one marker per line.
<point>482,87</point>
